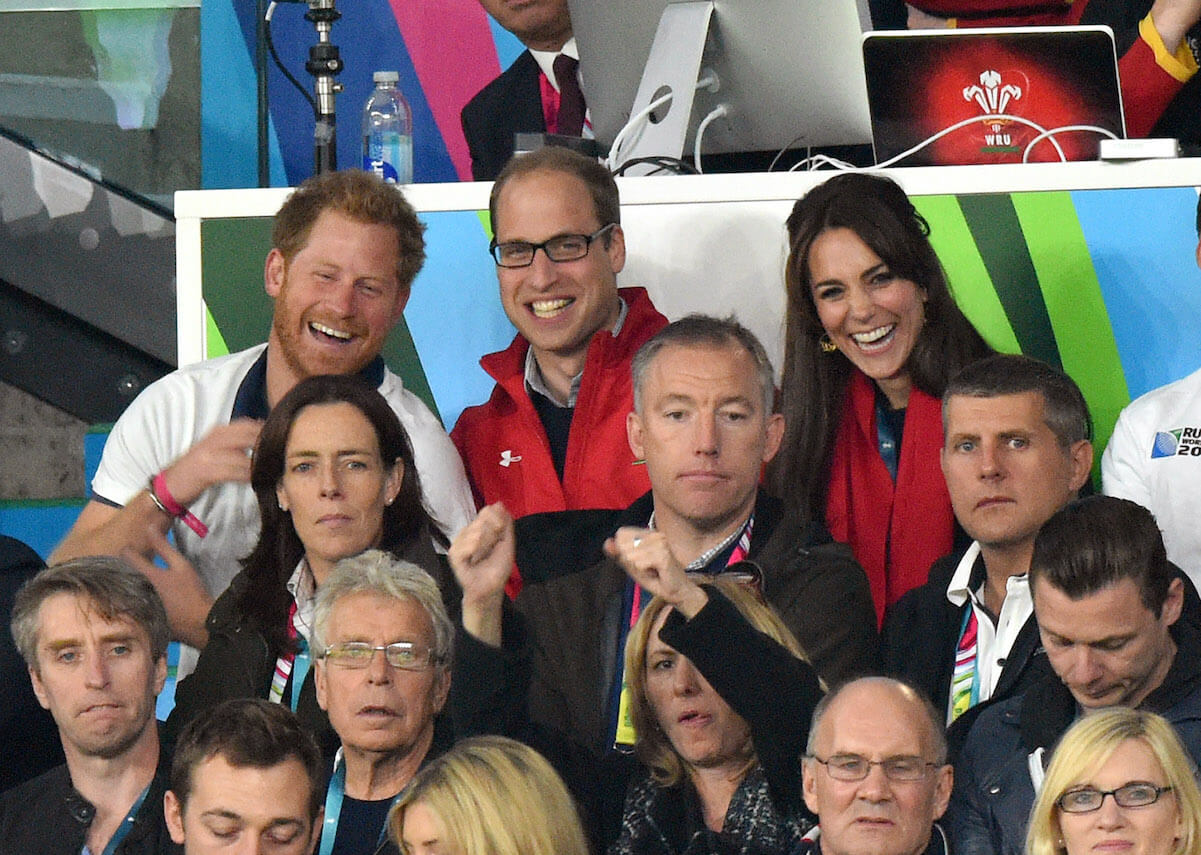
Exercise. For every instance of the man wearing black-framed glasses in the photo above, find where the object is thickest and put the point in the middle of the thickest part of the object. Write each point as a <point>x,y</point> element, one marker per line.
<point>382,675</point>
<point>875,772</point>
<point>552,436</point>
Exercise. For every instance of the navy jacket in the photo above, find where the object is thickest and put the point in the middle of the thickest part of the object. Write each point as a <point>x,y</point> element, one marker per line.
<point>994,792</point>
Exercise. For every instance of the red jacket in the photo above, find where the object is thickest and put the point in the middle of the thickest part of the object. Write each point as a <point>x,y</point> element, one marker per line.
<point>1150,76</point>
<point>505,447</point>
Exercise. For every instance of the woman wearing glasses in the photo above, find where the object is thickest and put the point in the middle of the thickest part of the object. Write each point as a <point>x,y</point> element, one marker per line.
<point>872,337</point>
<point>333,474</point>
<point>718,693</point>
<point>1120,781</point>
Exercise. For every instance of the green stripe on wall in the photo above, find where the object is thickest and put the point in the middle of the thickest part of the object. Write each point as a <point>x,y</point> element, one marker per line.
<point>998,234</point>
<point>973,290</point>
<point>1072,296</point>
<point>214,342</point>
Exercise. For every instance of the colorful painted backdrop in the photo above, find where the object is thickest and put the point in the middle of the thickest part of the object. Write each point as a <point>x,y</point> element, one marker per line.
<point>444,50</point>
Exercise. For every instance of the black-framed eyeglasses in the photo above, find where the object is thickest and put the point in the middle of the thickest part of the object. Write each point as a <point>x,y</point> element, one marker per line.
<point>404,655</point>
<point>1132,795</point>
<point>520,253</point>
<point>856,767</point>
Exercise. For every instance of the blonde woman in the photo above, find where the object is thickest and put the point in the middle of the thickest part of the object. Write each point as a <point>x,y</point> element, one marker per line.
<point>719,696</point>
<point>487,796</point>
<point>1119,781</point>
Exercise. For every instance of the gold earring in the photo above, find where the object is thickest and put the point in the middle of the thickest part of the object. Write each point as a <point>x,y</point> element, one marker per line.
<point>826,344</point>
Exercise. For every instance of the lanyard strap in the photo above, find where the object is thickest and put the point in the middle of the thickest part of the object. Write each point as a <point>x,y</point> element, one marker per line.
<point>126,824</point>
<point>965,678</point>
<point>289,662</point>
<point>333,807</point>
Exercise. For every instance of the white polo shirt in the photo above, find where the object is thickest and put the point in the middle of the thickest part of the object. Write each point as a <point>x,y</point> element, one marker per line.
<point>174,412</point>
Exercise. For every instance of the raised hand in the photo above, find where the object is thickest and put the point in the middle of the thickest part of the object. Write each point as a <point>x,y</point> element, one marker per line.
<point>221,455</point>
<point>481,557</point>
<point>1173,19</point>
<point>646,557</point>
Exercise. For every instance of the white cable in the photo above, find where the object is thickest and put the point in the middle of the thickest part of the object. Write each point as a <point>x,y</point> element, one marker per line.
<point>638,119</point>
<point>816,161</point>
<point>1051,133</point>
<point>627,130</point>
<point>714,114</point>
<point>270,10</point>
<point>965,123</point>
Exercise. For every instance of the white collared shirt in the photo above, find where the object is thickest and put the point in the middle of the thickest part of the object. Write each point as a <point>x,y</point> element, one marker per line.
<point>993,641</point>
<point>303,588</point>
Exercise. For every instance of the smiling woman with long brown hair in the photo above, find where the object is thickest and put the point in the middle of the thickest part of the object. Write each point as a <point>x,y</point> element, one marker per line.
<point>873,335</point>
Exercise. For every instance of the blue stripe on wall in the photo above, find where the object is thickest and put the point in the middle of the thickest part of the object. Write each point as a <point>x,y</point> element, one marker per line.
<point>455,302</point>
<point>1156,328</point>
<point>508,48</point>
<point>228,135</point>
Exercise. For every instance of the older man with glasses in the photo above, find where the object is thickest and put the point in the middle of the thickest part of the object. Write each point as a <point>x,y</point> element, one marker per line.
<point>876,772</point>
<point>552,437</point>
<point>382,675</point>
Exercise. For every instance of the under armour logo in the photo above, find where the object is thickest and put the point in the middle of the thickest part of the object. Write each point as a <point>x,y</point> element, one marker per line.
<point>507,457</point>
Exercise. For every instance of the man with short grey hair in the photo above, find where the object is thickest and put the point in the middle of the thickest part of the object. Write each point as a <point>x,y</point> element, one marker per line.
<point>875,772</point>
<point>704,426</point>
<point>384,645</point>
<point>94,634</point>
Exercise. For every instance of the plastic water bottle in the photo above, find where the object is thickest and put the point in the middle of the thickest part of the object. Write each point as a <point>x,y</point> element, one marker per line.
<point>388,131</point>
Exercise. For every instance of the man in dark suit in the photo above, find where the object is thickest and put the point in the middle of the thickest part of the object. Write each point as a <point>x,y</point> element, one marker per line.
<point>526,98</point>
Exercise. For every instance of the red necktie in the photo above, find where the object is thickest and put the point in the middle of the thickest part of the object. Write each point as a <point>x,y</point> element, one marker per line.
<point>571,98</point>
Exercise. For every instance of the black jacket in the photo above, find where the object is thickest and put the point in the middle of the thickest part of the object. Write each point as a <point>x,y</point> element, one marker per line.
<point>740,664</point>
<point>921,632</point>
<point>46,816</point>
<point>993,791</point>
<point>572,598</point>
<point>238,662</point>
<point>29,743</point>
<point>510,104</point>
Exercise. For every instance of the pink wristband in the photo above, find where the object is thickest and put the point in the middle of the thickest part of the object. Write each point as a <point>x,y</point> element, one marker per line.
<point>158,489</point>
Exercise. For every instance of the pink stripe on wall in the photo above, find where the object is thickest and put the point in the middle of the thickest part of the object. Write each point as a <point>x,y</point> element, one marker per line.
<point>451,46</point>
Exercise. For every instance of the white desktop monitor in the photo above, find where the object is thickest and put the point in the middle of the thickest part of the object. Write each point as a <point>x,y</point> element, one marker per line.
<point>791,71</point>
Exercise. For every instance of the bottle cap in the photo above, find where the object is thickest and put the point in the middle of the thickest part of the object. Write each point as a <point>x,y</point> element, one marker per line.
<point>386,76</point>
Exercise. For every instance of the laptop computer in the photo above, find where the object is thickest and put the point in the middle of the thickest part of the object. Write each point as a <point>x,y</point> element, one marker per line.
<point>922,82</point>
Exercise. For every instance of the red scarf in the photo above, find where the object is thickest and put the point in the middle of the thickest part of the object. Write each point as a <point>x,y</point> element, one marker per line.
<point>896,531</point>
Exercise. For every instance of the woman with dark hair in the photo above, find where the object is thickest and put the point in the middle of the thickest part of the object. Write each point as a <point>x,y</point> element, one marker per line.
<point>333,474</point>
<point>873,336</point>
